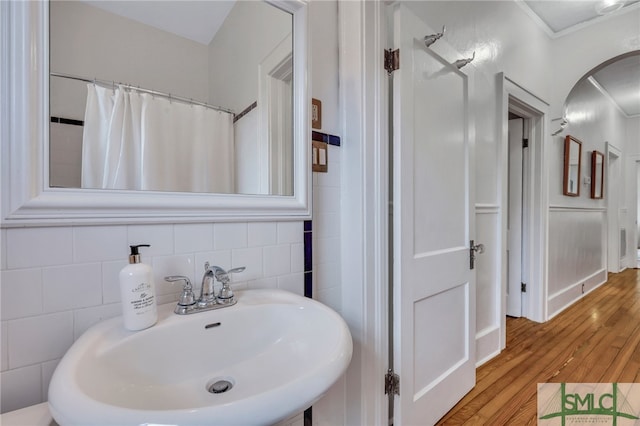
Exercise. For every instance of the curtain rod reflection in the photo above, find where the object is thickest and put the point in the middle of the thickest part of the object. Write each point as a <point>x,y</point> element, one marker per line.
<point>139,89</point>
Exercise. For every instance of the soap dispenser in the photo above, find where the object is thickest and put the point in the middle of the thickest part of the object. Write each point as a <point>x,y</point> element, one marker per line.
<point>139,308</point>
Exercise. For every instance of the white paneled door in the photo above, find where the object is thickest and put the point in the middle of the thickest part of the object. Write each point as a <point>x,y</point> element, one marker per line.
<point>434,285</point>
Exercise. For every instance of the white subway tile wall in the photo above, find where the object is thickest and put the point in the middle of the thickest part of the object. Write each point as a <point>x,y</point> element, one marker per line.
<point>4,347</point>
<point>277,260</point>
<point>230,235</point>
<point>59,281</point>
<point>25,385</point>
<point>195,237</point>
<point>297,257</point>
<point>288,232</point>
<point>327,287</point>
<point>14,293</point>
<point>71,287</point>
<point>37,339</point>
<point>3,249</point>
<point>262,234</point>
<point>92,244</point>
<point>38,247</point>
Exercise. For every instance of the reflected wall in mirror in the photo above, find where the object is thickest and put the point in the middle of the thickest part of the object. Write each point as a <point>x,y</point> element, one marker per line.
<point>597,174</point>
<point>572,165</point>
<point>179,96</point>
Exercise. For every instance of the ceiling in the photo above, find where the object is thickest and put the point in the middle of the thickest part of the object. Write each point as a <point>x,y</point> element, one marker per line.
<point>561,16</point>
<point>619,80</point>
<point>192,19</point>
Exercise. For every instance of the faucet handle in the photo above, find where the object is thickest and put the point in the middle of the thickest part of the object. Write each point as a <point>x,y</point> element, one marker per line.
<point>226,294</point>
<point>187,298</point>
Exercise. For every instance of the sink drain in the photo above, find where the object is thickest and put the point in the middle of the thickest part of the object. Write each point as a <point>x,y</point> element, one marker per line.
<point>220,386</point>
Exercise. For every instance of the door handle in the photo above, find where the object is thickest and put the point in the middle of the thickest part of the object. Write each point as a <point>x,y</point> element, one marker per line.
<point>473,249</point>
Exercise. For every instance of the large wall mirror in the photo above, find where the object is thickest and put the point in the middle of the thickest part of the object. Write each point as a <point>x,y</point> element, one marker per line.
<point>157,111</point>
<point>572,165</point>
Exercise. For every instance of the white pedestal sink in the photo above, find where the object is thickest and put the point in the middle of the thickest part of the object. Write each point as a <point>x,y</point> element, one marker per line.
<point>279,353</point>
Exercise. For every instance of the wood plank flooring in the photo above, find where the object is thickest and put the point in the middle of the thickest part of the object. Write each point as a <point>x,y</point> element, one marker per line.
<point>597,340</point>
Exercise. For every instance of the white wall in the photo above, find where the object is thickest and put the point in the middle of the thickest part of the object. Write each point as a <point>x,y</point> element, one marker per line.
<point>154,59</point>
<point>578,225</point>
<point>253,28</point>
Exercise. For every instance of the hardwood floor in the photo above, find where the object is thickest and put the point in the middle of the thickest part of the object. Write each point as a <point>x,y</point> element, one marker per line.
<point>597,340</point>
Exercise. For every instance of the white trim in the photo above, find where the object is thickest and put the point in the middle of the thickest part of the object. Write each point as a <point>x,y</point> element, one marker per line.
<point>525,92</point>
<point>487,209</point>
<point>613,212</point>
<point>364,206</point>
<point>608,96</point>
<point>515,96</point>
<point>276,68</point>
<point>487,344</point>
<point>556,208</point>
<point>632,204</point>
<point>566,297</point>
<point>27,199</point>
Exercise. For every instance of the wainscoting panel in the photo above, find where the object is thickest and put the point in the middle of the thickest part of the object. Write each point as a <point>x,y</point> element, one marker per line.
<point>577,250</point>
<point>488,292</point>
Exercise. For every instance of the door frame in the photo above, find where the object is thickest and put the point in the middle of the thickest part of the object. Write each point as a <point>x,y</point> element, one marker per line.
<point>365,188</point>
<point>633,174</point>
<point>517,196</point>
<point>535,110</point>
<point>613,211</point>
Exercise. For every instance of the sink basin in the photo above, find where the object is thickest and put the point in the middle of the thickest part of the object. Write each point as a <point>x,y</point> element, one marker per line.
<point>270,356</point>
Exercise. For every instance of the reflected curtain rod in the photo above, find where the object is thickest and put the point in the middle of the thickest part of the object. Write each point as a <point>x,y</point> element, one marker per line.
<point>139,89</point>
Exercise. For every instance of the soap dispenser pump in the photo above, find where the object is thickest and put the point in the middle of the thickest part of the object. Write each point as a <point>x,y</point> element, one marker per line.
<point>137,291</point>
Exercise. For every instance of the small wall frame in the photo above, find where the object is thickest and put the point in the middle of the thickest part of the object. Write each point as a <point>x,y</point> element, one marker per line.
<point>572,166</point>
<point>597,175</point>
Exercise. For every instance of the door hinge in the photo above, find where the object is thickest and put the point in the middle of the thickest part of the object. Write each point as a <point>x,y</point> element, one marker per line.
<point>391,383</point>
<point>523,287</point>
<point>391,60</point>
<point>525,143</point>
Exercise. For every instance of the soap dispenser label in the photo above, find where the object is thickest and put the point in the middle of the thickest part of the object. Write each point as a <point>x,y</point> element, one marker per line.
<point>144,300</point>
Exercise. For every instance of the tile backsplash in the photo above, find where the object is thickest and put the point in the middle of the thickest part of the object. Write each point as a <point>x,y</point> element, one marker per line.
<point>59,281</point>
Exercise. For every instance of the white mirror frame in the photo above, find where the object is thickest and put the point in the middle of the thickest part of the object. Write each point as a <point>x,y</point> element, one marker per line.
<point>27,199</point>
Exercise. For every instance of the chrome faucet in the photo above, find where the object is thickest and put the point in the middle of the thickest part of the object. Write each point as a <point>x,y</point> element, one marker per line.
<point>207,293</point>
<point>208,299</point>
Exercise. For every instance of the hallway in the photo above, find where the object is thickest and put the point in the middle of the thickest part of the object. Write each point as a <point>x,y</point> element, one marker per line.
<point>595,340</point>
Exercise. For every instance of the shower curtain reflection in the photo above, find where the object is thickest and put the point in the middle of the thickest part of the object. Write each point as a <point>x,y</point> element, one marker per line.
<point>139,141</point>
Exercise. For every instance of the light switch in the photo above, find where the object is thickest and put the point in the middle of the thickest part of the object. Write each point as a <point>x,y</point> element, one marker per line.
<point>320,159</point>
